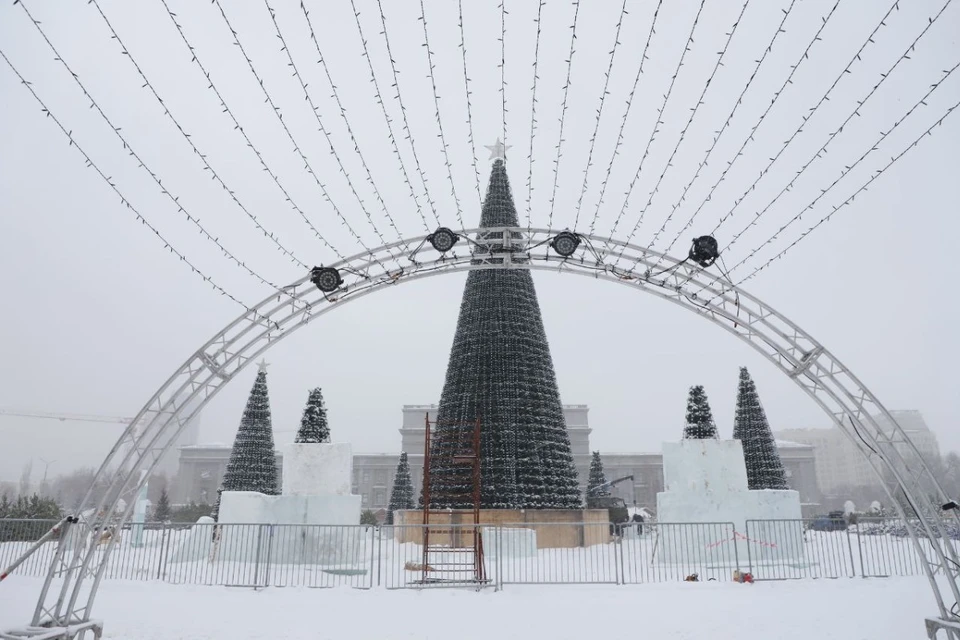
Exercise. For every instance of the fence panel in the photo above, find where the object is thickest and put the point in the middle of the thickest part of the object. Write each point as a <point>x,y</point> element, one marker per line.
<point>557,553</point>
<point>803,548</point>
<point>17,535</point>
<point>450,563</point>
<point>663,552</point>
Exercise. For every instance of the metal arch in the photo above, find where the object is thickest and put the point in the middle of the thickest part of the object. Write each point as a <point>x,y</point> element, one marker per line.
<point>80,563</point>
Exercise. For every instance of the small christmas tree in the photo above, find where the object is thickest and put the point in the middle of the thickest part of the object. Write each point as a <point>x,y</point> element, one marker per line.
<point>750,427</point>
<point>597,478</point>
<point>253,460</point>
<point>161,513</point>
<point>313,424</point>
<point>700,424</point>
<point>401,496</point>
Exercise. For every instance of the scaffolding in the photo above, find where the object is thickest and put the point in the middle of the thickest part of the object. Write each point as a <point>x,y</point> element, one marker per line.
<point>453,549</point>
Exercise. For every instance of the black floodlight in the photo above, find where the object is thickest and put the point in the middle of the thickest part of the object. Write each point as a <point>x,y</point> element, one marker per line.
<point>950,506</point>
<point>327,279</point>
<point>704,251</point>
<point>443,239</point>
<point>565,243</point>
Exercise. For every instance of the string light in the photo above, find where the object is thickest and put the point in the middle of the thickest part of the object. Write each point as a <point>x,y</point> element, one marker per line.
<point>693,114</point>
<point>203,158</point>
<point>123,199</point>
<point>603,99</point>
<point>533,112</point>
<point>466,88</point>
<point>141,163</point>
<point>736,105</point>
<point>403,111</point>
<point>623,124</point>
<point>656,127</point>
<point>383,108</point>
<point>822,150</point>
<point>436,104</point>
<point>503,70</point>
<point>563,110</point>
<point>237,127</point>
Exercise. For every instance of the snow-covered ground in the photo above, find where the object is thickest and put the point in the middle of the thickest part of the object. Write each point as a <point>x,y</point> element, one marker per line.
<point>843,609</point>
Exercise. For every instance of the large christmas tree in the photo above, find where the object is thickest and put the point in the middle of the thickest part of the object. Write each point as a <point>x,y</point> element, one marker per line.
<point>699,424</point>
<point>597,478</point>
<point>500,371</point>
<point>253,460</point>
<point>313,424</point>
<point>401,496</point>
<point>750,427</point>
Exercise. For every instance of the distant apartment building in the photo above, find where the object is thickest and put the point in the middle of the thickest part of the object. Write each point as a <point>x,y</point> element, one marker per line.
<point>202,466</point>
<point>839,464</point>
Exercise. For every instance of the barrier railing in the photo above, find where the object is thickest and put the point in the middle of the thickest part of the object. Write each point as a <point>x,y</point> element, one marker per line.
<point>361,556</point>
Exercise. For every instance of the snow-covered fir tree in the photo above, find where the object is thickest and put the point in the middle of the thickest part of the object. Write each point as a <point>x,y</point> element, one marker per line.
<point>750,427</point>
<point>500,370</point>
<point>313,424</point>
<point>161,512</point>
<point>401,496</point>
<point>253,460</point>
<point>597,478</point>
<point>699,424</point>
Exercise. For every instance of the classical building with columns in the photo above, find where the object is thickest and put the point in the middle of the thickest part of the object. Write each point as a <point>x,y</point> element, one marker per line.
<point>201,466</point>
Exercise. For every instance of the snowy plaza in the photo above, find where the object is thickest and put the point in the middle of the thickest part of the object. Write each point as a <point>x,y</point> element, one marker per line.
<point>186,185</point>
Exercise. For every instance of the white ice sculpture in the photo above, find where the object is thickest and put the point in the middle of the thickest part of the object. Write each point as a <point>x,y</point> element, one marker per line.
<point>300,526</point>
<point>705,481</point>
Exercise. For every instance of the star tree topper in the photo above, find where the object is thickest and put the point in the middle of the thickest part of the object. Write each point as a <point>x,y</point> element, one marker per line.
<point>498,151</point>
<point>262,365</point>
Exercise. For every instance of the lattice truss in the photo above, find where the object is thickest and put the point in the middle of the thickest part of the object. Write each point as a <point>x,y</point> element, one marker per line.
<point>256,142</point>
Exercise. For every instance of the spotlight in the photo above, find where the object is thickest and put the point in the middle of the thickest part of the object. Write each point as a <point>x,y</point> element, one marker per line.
<point>565,243</point>
<point>443,239</point>
<point>704,251</point>
<point>327,279</point>
<point>950,506</point>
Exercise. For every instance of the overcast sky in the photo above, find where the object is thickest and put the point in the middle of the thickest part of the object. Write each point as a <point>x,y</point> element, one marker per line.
<point>98,314</point>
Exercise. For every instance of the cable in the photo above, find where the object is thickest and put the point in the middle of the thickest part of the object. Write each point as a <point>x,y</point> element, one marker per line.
<point>623,122</point>
<point>203,158</point>
<point>603,99</point>
<point>563,111</point>
<point>503,71</point>
<point>656,129</point>
<point>126,145</point>
<point>776,96</point>
<point>236,125</point>
<point>693,114</point>
<point>850,199</point>
<point>436,103</point>
<point>820,152</point>
<point>533,112</point>
<point>726,123</point>
<point>346,121</point>
<point>123,199</point>
<point>286,129</point>
<point>386,117</point>
<point>403,109</point>
<point>466,87</point>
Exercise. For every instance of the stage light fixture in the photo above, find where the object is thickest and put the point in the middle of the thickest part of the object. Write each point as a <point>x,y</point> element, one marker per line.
<point>443,239</point>
<point>704,251</point>
<point>565,243</point>
<point>327,279</point>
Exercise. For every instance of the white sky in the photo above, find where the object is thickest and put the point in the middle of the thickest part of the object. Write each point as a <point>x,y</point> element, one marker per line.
<point>98,314</point>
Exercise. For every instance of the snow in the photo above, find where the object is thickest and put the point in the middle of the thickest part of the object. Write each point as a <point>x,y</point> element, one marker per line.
<point>318,469</point>
<point>849,609</point>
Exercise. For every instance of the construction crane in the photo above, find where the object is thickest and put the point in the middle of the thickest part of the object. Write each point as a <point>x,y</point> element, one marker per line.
<point>616,507</point>
<point>63,417</point>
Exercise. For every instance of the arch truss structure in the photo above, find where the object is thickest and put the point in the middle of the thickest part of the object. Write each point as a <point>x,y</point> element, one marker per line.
<point>70,589</point>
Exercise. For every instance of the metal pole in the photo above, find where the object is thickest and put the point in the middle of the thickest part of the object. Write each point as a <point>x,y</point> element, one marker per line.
<point>65,523</point>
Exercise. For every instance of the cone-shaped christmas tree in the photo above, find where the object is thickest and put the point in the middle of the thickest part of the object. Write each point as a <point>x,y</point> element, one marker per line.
<point>313,424</point>
<point>253,461</point>
<point>500,371</point>
<point>700,424</point>
<point>401,496</point>
<point>597,478</point>
<point>750,427</point>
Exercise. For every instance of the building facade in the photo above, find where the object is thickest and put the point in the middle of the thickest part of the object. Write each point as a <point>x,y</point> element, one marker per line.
<point>202,466</point>
<point>839,465</point>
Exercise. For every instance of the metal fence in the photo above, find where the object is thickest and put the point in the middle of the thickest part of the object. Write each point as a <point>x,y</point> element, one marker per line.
<point>361,556</point>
